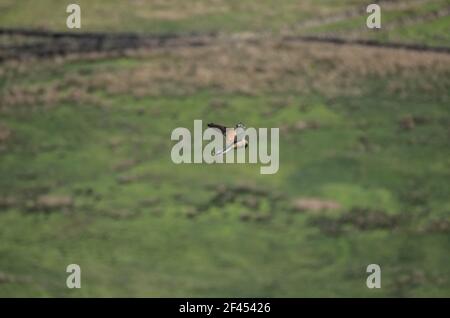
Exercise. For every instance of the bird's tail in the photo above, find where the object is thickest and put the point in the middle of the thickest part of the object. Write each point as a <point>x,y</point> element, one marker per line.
<point>222,152</point>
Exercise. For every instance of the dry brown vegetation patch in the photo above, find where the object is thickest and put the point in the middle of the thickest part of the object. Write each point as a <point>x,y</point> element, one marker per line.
<point>314,205</point>
<point>5,133</point>
<point>240,67</point>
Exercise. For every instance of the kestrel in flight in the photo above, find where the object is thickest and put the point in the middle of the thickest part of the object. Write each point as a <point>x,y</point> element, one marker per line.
<point>234,137</point>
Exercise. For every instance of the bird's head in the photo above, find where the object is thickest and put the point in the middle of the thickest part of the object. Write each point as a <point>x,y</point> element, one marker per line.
<point>240,125</point>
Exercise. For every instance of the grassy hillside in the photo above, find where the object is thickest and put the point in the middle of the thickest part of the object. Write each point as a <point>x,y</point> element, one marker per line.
<point>169,16</point>
<point>86,175</point>
<point>414,21</point>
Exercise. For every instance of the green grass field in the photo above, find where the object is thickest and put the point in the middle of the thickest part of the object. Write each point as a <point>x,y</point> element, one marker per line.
<point>86,175</point>
<point>413,21</point>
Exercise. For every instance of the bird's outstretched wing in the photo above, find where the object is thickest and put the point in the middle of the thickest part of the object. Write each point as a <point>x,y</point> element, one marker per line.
<point>223,129</point>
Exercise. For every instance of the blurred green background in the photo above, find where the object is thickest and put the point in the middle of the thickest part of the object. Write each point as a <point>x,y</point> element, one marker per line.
<point>86,175</point>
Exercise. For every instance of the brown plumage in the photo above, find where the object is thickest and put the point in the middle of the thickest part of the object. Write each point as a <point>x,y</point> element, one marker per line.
<point>232,138</point>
